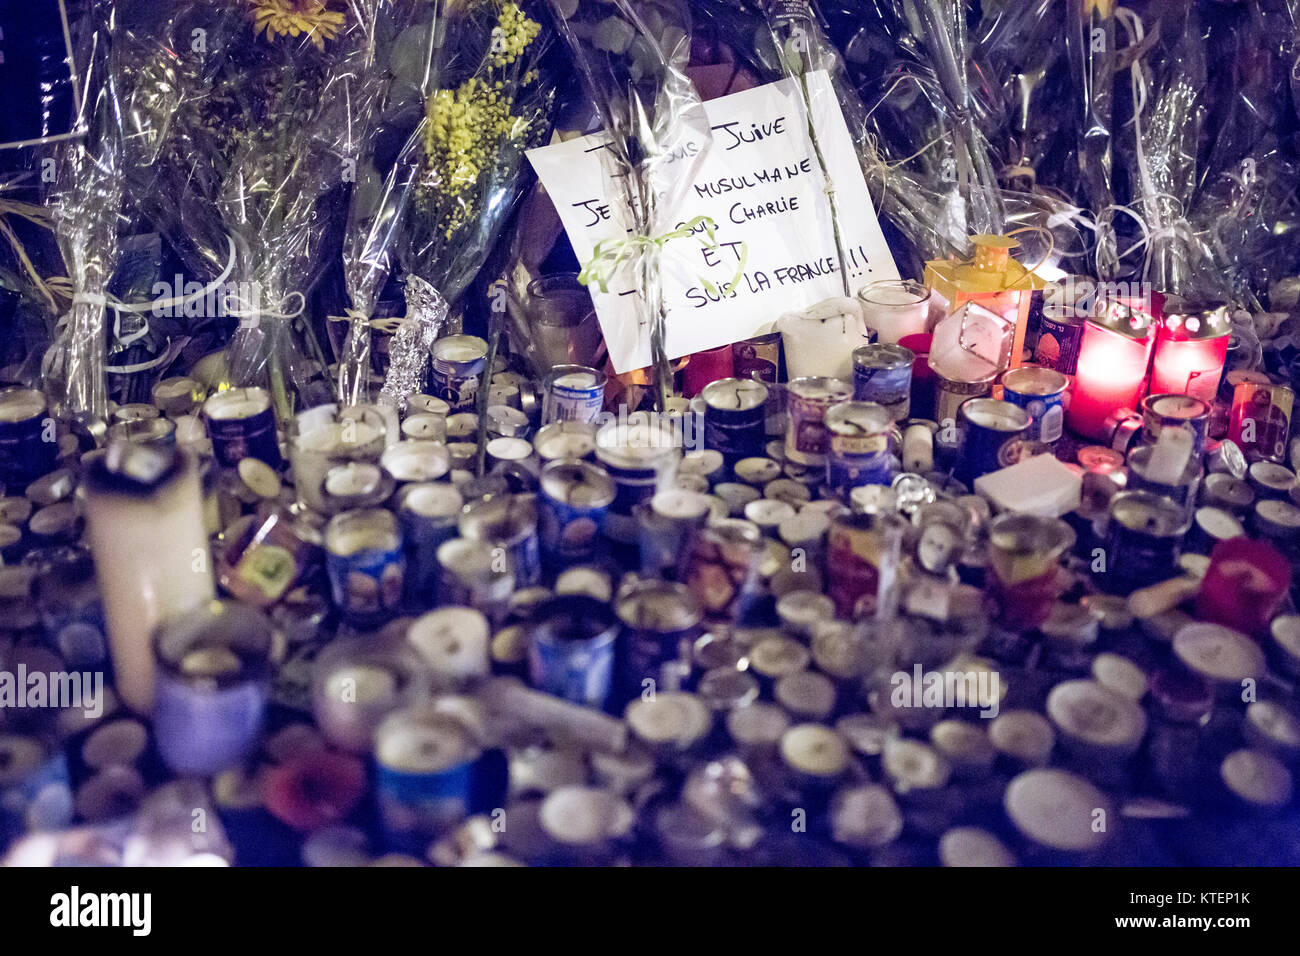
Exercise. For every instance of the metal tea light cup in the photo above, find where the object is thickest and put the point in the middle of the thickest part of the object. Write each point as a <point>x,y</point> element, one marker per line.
<point>1183,493</point>
<point>214,676</point>
<point>575,497</point>
<point>882,373</point>
<point>366,566</point>
<point>429,514</point>
<point>721,565</point>
<point>424,774</point>
<point>573,393</point>
<point>357,682</point>
<point>989,428</point>
<point>1144,533</point>
<point>28,448</point>
<point>638,455</point>
<point>735,418</point>
<point>859,446</point>
<point>571,651</point>
<point>1176,411</point>
<point>807,402</point>
<point>1040,392</point>
<point>327,438</point>
<point>241,424</point>
<point>508,522</point>
<point>458,366</point>
<point>660,620</point>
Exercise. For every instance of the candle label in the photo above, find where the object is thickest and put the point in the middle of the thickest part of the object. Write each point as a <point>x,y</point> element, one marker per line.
<point>238,433</point>
<point>574,394</point>
<point>1058,342</point>
<point>367,584</point>
<point>883,374</point>
<point>854,551</point>
<point>758,358</point>
<point>856,460</point>
<point>269,569</point>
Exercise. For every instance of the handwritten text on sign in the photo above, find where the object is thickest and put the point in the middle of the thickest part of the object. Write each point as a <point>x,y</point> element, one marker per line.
<point>762,185</point>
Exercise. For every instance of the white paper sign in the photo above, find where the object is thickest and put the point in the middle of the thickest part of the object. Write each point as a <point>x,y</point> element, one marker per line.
<point>762,185</point>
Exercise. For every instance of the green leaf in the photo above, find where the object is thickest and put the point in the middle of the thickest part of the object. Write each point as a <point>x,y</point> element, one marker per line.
<point>613,35</point>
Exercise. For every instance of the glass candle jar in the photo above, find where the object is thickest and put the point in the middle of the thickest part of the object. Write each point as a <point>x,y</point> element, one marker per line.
<point>894,308</point>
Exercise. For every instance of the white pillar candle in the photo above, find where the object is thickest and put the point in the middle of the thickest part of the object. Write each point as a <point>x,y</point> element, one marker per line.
<point>819,341</point>
<point>144,522</point>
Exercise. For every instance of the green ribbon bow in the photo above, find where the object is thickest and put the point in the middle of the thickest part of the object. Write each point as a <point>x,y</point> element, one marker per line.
<point>610,254</point>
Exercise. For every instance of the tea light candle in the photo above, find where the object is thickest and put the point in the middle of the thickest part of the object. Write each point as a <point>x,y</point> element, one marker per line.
<point>25,454</point>
<point>425,427</point>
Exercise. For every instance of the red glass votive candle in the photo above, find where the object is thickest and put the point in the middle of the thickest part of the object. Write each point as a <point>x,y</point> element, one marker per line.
<point>1191,347</point>
<point>922,374</point>
<point>1244,584</point>
<point>1113,358</point>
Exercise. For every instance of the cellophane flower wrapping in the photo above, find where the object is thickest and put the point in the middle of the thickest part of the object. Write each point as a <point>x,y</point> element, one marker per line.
<point>86,205</point>
<point>375,213</point>
<point>632,56</point>
<point>490,97</point>
<point>1246,210</point>
<point>244,123</point>
<point>1169,113</point>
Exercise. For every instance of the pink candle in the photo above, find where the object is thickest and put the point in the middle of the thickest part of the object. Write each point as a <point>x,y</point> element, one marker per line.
<point>1244,584</point>
<point>1190,351</point>
<point>1111,373</point>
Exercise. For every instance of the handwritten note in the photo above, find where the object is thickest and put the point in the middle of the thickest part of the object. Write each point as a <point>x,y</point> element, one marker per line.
<point>762,185</point>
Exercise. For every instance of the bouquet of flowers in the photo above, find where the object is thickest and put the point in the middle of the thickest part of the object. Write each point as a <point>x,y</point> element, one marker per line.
<point>489,97</point>
<point>246,122</point>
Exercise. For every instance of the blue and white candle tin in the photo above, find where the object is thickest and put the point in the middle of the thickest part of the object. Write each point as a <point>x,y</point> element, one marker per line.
<point>458,365</point>
<point>573,393</point>
<point>571,653</point>
<point>1040,392</point>
<point>858,451</point>
<point>882,374</point>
